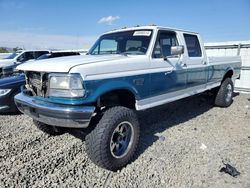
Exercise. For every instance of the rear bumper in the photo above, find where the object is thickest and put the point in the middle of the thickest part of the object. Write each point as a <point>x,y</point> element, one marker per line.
<point>55,114</point>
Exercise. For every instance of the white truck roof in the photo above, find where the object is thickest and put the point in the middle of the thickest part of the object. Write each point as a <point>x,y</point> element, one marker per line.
<point>149,27</point>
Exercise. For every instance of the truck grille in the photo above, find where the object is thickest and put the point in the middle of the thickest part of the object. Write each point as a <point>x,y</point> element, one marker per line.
<point>37,82</point>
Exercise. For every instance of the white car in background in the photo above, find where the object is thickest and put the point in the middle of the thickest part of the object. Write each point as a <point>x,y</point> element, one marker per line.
<point>21,56</point>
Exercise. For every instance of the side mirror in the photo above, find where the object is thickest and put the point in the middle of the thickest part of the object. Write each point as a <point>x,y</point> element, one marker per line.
<point>177,50</point>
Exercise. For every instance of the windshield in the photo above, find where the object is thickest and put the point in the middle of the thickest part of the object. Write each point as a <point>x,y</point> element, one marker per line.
<point>12,56</point>
<point>134,42</point>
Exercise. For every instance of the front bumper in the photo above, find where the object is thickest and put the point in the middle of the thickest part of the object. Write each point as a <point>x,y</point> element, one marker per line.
<point>5,108</point>
<point>55,114</point>
<point>4,104</point>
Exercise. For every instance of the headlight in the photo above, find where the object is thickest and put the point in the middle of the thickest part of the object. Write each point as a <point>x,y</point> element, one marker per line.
<point>66,86</point>
<point>4,92</point>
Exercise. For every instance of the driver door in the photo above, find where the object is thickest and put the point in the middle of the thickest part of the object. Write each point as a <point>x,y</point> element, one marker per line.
<point>168,75</point>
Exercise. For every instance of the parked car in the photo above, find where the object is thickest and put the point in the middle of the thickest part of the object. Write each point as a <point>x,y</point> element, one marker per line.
<point>125,70</point>
<point>9,87</point>
<point>21,56</point>
<point>9,63</point>
<point>12,81</point>
<point>9,70</point>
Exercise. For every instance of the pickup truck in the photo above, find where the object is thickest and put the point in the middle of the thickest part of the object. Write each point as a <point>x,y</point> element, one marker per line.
<point>125,71</point>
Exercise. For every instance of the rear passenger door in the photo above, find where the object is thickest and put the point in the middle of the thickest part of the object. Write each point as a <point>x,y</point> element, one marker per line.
<point>196,65</point>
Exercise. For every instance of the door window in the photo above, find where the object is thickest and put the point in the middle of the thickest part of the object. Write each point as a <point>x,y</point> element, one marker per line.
<point>164,43</point>
<point>29,55</point>
<point>39,53</point>
<point>21,58</point>
<point>193,45</point>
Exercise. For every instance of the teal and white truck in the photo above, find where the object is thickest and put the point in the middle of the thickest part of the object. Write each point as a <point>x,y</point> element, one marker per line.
<point>125,71</point>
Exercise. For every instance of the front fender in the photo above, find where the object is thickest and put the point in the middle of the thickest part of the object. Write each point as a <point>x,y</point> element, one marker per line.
<point>95,89</point>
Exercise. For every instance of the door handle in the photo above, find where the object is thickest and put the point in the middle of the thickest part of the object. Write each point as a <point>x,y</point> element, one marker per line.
<point>183,64</point>
<point>204,63</point>
<point>168,72</point>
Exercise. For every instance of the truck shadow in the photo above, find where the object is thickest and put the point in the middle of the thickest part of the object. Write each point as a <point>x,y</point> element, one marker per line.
<point>157,120</point>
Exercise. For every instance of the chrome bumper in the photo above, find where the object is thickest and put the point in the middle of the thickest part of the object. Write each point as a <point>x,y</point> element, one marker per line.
<point>55,114</point>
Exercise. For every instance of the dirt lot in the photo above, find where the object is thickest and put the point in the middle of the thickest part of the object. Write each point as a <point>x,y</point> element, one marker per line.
<point>170,153</point>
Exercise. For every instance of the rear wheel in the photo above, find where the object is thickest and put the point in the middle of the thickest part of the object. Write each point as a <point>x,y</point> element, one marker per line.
<point>113,142</point>
<point>48,129</point>
<point>224,96</point>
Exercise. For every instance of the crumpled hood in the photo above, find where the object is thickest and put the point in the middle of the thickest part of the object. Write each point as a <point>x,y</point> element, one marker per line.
<point>64,64</point>
<point>6,62</point>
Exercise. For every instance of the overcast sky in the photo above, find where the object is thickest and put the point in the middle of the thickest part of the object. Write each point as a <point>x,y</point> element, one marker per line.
<point>76,24</point>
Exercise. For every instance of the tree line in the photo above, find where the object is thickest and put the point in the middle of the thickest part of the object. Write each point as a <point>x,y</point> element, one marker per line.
<point>5,50</point>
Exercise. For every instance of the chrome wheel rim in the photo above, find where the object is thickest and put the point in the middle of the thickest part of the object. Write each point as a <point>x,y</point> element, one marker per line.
<point>229,92</point>
<point>122,139</point>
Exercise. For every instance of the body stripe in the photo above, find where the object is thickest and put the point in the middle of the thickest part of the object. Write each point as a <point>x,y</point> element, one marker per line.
<point>118,74</point>
<point>169,97</point>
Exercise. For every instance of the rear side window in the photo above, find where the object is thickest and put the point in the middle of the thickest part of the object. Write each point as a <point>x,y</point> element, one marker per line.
<point>193,45</point>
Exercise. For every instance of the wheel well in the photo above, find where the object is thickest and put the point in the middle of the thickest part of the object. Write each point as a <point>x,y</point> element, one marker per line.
<point>120,97</point>
<point>229,74</point>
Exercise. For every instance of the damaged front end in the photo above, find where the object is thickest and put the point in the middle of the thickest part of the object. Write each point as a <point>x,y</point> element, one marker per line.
<point>30,102</point>
<point>36,84</point>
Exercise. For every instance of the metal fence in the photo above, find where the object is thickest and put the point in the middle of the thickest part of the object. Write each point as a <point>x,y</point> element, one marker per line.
<point>233,48</point>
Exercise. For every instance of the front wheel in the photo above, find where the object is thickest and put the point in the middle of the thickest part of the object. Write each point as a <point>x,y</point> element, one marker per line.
<point>113,142</point>
<point>224,96</point>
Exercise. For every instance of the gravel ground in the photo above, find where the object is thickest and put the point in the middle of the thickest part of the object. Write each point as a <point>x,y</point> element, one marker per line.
<point>170,153</point>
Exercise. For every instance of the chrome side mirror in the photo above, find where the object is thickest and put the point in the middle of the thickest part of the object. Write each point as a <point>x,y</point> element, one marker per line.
<point>177,50</point>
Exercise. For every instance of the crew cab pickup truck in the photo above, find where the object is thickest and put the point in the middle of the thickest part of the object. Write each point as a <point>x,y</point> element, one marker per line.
<point>125,71</point>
